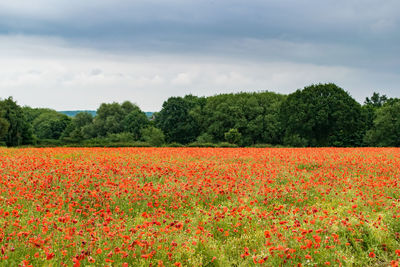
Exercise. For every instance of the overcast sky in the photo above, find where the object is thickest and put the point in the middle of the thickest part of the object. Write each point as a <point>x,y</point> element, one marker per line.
<point>70,54</point>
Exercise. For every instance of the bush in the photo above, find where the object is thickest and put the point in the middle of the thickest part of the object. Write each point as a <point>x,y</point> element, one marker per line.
<point>174,144</point>
<point>128,144</point>
<point>262,146</point>
<point>101,142</point>
<point>204,138</point>
<point>295,140</point>
<point>120,137</point>
<point>200,144</point>
<point>225,144</point>
<point>233,136</point>
<point>153,136</point>
<point>49,143</point>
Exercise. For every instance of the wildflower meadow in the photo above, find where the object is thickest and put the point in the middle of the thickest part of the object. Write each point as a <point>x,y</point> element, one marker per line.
<point>199,206</point>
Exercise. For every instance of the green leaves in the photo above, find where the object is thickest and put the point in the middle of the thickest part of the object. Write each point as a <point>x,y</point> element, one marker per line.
<point>14,127</point>
<point>318,115</point>
<point>321,115</point>
<point>254,115</point>
<point>233,136</point>
<point>386,127</point>
<point>177,120</point>
<point>50,125</point>
<point>153,136</point>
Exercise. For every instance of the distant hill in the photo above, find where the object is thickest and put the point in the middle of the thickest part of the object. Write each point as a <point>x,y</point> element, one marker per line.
<point>72,113</point>
<point>149,114</point>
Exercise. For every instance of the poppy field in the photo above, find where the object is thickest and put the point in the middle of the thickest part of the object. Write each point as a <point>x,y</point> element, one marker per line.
<point>199,206</point>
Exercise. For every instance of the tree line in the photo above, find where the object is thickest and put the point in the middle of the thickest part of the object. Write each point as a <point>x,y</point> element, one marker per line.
<point>316,116</point>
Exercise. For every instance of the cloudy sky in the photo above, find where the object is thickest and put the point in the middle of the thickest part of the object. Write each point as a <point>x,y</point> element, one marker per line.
<point>70,54</point>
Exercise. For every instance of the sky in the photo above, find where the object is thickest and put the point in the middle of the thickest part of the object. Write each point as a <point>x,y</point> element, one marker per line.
<point>70,54</point>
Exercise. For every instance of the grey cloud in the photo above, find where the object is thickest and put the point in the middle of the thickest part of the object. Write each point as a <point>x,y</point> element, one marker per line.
<point>369,26</point>
<point>355,37</point>
<point>78,79</point>
<point>95,72</point>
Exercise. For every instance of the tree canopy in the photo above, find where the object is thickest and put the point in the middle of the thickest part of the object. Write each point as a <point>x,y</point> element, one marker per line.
<point>317,115</point>
<point>15,128</point>
<point>386,127</point>
<point>322,115</point>
<point>176,120</point>
<point>254,115</point>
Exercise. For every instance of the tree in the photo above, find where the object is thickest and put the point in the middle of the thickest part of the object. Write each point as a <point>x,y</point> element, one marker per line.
<point>153,136</point>
<point>108,119</point>
<point>4,125</point>
<point>19,131</point>
<point>82,119</point>
<point>50,125</point>
<point>376,100</point>
<point>233,136</point>
<point>369,110</point>
<point>176,120</point>
<point>254,115</point>
<point>204,138</point>
<point>81,127</point>
<point>386,128</point>
<point>32,113</point>
<point>322,115</point>
<point>135,121</point>
<point>128,107</point>
<point>117,118</point>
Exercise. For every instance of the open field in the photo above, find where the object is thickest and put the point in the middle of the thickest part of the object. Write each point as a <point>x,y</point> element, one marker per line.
<point>199,206</point>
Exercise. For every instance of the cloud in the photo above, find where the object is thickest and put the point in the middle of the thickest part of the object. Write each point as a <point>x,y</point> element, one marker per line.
<point>77,54</point>
<point>44,73</point>
<point>183,79</point>
<point>341,32</point>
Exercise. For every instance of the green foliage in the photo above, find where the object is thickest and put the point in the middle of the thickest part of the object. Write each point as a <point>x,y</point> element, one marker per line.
<point>204,138</point>
<point>177,121</point>
<point>47,123</point>
<point>376,100</point>
<point>111,119</point>
<point>322,115</point>
<point>295,140</point>
<point>49,143</point>
<point>233,136</point>
<point>200,144</point>
<point>50,125</point>
<point>225,144</point>
<point>263,146</point>
<point>32,113</point>
<point>80,128</point>
<point>15,129</point>
<point>134,122</point>
<point>153,136</point>
<point>4,125</point>
<point>369,111</point>
<point>120,137</point>
<point>82,119</point>
<point>174,144</point>
<point>255,115</point>
<point>105,142</point>
<point>108,119</point>
<point>386,127</point>
<point>318,115</point>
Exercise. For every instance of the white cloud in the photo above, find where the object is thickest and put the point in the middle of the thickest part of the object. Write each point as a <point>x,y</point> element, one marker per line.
<point>183,79</point>
<point>42,72</point>
<point>383,25</point>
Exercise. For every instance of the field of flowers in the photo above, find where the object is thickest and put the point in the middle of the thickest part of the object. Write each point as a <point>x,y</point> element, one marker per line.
<point>199,207</point>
